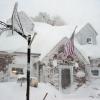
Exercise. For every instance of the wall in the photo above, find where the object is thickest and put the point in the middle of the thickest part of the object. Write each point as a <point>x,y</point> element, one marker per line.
<point>83,35</point>
<point>20,61</point>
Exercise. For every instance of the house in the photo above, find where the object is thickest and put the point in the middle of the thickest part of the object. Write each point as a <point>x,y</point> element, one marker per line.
<point>15,64</point>
<point>86,42</point>
<point>61,73</point>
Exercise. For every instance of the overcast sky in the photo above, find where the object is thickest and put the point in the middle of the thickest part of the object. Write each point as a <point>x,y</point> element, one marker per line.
<point>72,11</point>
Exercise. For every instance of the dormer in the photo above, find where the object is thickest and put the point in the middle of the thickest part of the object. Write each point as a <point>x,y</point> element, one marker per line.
<point>87,35</point>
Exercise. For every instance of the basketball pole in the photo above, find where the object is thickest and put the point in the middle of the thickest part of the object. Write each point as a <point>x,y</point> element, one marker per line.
<point>29,42</point>
<point>28,67</point>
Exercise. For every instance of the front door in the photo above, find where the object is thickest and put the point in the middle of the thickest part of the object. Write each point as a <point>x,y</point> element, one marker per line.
<point>65,78</point>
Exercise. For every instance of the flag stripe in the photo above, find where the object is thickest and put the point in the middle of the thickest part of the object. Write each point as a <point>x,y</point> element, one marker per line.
<point>69,46</point>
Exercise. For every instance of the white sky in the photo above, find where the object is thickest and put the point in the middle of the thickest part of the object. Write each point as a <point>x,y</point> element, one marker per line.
<point>72,11</point>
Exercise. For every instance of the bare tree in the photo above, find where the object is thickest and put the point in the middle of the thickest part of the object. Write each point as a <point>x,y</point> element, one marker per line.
<point>57,21</point>
<point>46,18</point>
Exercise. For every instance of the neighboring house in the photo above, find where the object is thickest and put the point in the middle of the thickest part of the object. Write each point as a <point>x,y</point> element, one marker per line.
<point>18,64</point>
<point>95,67</point>
<point>87,35</point>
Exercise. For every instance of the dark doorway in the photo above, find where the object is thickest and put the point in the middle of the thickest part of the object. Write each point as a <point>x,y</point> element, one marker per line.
<point>65,78</point>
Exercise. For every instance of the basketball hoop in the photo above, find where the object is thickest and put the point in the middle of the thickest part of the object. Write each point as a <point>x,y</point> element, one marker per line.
<point>4,27</point>
<point>15,19</point>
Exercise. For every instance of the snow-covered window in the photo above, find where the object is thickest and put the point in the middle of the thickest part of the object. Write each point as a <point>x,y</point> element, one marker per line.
<point>35,66</point>
<point>95,72</point>
<point>89,40</point>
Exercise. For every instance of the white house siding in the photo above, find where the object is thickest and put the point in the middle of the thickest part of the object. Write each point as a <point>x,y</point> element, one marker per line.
<point>20,61</point>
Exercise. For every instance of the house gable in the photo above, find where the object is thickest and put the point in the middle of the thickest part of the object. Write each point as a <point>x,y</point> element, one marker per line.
<point>54,51</point>
<point>87,35</point>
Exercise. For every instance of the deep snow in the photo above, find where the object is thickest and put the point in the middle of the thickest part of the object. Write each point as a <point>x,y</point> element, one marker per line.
<point>13,91</point>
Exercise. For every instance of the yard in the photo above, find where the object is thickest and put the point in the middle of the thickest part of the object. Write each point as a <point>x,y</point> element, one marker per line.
<point>13,91</point>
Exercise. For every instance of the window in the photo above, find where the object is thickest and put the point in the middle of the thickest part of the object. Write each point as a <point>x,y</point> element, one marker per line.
<point>35,66</point>
<point>17,71</point>
<point>99,65</point>
<point>89,40</point>
<point>95,72</point>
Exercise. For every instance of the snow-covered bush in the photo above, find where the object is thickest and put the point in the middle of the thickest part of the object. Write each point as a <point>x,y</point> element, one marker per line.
<point>80,75</point>
<point>42,17</point>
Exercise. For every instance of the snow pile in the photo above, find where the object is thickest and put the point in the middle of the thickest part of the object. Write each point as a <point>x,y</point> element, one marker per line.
<point>90,91</point>
<point>12,43</point>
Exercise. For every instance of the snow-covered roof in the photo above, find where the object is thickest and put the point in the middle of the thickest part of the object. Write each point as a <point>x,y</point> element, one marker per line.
<point>86,28</point>
<point>47,37</point>
<point>90,50</point>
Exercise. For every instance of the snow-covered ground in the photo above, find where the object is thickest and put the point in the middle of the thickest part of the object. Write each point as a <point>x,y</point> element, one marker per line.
<point>13,91</point>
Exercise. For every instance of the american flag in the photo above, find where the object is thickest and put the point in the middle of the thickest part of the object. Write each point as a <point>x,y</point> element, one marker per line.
<point>69,46</point>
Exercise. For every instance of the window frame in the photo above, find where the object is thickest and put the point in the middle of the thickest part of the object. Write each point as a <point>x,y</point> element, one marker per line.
<point>89,40</point>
